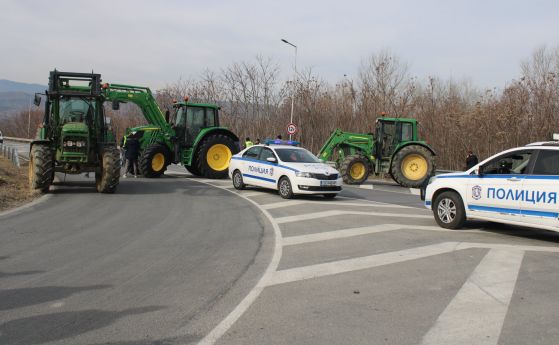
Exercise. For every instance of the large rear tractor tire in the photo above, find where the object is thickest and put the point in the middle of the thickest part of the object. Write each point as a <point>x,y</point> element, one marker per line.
<point>41,168</point>
<point>355,169</point>
<point>411,165</point>
<point>192,169</point>
<point>154,160</point>
<point>213,155</point>
<point>108,174</point>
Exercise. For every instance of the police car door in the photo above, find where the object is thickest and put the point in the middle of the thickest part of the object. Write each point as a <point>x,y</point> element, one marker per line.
<point>539,205</point>
<point>249,158</point>
<point>495,192</point>
<point>269,168</point>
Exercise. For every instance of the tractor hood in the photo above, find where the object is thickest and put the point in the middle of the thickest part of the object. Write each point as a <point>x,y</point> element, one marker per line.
<point>73,128</point>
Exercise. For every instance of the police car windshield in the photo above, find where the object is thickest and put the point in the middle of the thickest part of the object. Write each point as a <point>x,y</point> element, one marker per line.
<point>296,156</point>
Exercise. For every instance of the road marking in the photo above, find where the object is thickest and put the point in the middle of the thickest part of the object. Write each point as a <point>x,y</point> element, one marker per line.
<point>249,194</point>
<point>331,213</point>
<point>283,204</point>
<point>366,230</point>
<point>328,203</point>
<point>477,312</point>
<point>225,324</point>
<point>331,235</point>
<point>415,191</point>
<point>366,186</point>
<point>349,265</point>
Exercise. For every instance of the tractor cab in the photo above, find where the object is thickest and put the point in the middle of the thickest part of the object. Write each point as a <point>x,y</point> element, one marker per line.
<point>190,118</point>
<point>391,133</point>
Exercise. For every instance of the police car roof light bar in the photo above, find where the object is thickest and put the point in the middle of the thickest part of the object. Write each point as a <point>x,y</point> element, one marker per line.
<point>281,142</point>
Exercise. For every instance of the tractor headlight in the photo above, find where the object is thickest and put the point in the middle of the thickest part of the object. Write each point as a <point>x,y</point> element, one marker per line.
<point>303,174</point>
<point>80,143</point>
<point>69,143</point>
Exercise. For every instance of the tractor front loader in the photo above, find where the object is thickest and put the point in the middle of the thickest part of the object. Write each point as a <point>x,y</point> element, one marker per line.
<point>75,136</point>
<point>394,148</point>
<point>192,136</point>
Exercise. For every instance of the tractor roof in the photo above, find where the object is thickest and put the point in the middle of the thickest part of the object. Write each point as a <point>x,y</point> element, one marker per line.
<point>201,105</point>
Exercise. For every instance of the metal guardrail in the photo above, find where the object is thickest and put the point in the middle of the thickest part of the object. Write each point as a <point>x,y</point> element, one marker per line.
<point>23,140</point>
<point>10,153</point>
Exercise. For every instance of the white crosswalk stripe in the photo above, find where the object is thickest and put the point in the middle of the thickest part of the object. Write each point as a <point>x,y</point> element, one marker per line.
<point>331,213</point>
<point>477,313</point>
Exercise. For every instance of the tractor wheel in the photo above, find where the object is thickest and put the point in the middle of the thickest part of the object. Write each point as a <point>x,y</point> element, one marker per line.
<point>411,165</point>
<point>41,168</point>
<point>154,160</point>
<point>108,174</point>
<point>213,156</point>
<point>355,169</point>
<point>192,169</point>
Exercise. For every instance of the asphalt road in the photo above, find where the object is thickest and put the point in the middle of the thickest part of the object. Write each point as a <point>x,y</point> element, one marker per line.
<point>180,260</point>
<point>162,261</point>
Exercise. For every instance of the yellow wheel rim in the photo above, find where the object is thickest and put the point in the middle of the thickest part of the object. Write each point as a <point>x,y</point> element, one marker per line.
<point>218,157</point>
<point>357,170</point>
<point>157,162</point>
<point>414,167</point>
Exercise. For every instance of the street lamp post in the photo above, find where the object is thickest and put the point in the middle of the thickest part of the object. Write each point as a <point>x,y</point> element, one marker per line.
<point>294,79</point>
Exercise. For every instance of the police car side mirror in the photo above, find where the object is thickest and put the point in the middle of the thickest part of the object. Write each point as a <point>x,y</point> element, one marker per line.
<point>271,159</point>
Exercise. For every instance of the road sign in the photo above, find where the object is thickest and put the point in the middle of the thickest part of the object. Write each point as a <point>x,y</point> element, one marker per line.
<point>291,129</point>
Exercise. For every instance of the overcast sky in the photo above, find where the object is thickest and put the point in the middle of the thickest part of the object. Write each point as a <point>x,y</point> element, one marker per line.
<point>153,42</point>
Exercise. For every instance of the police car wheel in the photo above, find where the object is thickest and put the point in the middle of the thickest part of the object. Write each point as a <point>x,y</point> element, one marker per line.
<point>285,190</point>
<point>238,180</point>
<point>449,210</point>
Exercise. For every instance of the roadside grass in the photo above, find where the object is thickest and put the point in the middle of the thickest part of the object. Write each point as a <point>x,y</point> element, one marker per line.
<point>14,185</point>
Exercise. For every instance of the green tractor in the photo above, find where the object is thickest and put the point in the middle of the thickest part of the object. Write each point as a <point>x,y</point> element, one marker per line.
<point>75,136</point>
<point>192,136</point>
<point>394,148</point>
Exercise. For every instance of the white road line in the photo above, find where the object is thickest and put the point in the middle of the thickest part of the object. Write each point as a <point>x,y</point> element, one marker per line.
<point>366,230</point>
<point>415,191</point>
<point>349,265</point>
<point>249,194</point>
<point>225,324</point>
<point>329,203</point>
<point>477,312</point>
<point>466,245</point>
<point>331,235</point>
<point>331,213</point>
<point>366,186</point>
<point>283,204</point>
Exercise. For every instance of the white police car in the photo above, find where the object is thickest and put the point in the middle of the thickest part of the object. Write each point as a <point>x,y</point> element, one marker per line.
<point>288,169</point>
<point>519,186</point>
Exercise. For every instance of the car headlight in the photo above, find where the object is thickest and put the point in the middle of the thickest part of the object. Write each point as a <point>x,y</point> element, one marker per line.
<point>303,174</point>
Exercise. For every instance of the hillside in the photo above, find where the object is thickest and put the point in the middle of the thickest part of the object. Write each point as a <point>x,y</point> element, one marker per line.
<point>16,96</point>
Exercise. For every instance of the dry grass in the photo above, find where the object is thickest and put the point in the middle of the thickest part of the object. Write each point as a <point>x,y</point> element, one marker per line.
<point>14,185</point>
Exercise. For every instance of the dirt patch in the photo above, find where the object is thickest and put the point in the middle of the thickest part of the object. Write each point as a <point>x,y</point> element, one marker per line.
<point>14,185</point>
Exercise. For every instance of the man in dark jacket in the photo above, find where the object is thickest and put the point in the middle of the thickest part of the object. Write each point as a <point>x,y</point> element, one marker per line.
<point>471,160</point>
<point>132,149</point>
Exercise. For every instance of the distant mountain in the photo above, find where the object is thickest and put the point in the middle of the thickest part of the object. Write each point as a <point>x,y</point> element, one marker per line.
<point>14,86</point>
<point>16,96</point>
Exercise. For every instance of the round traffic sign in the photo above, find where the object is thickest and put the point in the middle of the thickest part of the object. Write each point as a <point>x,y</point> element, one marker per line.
<point>291,129</point>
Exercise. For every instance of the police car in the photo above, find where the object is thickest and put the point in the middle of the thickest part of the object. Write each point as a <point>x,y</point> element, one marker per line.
<point>519,186</point>
<point>290,170</point>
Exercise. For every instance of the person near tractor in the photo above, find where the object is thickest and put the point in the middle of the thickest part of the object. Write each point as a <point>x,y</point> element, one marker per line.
<point>248,143</point>
<point>471,160</point>
<point>132,149</point>
<point>122,150</point>
<point>257,141</point>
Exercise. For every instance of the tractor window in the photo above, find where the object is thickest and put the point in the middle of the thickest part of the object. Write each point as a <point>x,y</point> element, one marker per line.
<point>407,132</point>
<point>75,109</point>
<point>210,117</point>
<point>180,117</point>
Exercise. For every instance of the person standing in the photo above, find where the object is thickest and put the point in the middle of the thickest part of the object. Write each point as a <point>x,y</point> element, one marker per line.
<point>132,149</point>
<point>257,141</point>
<point>248,143</point>
<point>471,160</point>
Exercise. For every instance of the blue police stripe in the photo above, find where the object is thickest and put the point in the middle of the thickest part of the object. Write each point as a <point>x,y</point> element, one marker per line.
<point>259,178</point>
<point>262,162</point>
<point>427,203</point>
<point>528,177</point>
<point>514,211</point>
